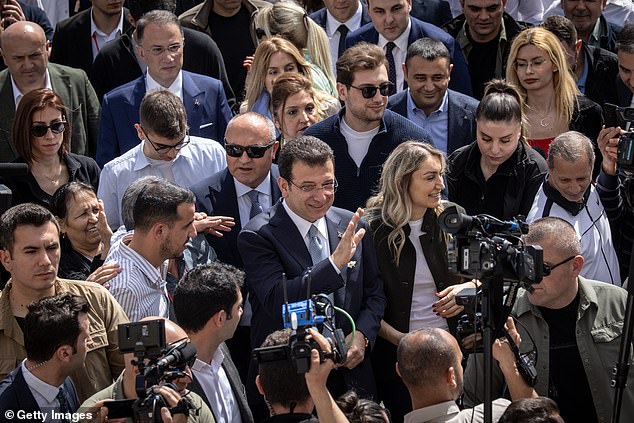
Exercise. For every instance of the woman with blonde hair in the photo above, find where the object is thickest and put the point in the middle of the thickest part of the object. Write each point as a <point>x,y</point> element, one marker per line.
<point>411,252</point>
<point>553,105</point>
<point>288,19</point>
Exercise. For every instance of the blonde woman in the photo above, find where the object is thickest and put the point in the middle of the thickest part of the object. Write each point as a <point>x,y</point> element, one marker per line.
<point>412,254</point>
<point>552,103</point>
<point>288,19</point>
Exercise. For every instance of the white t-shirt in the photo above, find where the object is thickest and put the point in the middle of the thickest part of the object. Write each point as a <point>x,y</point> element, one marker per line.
<point>358,142</point>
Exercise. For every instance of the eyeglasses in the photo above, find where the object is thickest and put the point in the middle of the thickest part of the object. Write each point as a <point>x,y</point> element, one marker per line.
<point>369,91</point>
<point>328,187</point>
<point>535,64</point>
<point>40,130</point>
<point>253,151</point>
<point>158,50</point>
<point>549,268</point>
<point>164,148</point>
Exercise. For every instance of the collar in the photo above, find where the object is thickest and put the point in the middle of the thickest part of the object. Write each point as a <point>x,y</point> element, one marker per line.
<point>263,188</point>
<point>213,367</point>
<point>94,30</point>
<point>447,408</point>
<point>595,35</point>
<point>570,206</point>
<point>400,41</point>
<point>303,225</point>
<point>176,88</point>
<point>412,106</point>
<point>353,23</point>
<point>17,94</point>
<point>49,392</point>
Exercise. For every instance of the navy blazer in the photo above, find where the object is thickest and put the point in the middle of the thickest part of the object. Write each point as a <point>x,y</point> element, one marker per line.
<point>16,395</point>
<point>435,12</point>
<point>205,103</point>
<point>460,81</point>
<point>216,195</point>
<point>461,125</point>
<point>236,387</point>
<point>320,16</point>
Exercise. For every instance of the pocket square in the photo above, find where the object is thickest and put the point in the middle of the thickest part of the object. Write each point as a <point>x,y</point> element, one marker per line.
<point>205,125</point>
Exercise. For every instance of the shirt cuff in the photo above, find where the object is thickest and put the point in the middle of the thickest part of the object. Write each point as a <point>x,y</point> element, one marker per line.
<point>334,265</point>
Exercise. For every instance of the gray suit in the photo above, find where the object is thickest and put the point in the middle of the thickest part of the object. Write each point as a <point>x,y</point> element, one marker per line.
<point>74,88</point>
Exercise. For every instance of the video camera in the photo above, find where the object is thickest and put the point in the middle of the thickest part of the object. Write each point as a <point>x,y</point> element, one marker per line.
<point>622,117</point>
<point>158,365</point>
<point>318,312</point>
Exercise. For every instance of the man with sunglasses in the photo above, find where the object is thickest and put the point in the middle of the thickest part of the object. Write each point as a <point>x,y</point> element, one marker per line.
<point>125,386</point>
<point>363,133</point>
<point>304,235</point>
<point>166,151</point>
<point>574,326</point>
<point>568,193</point>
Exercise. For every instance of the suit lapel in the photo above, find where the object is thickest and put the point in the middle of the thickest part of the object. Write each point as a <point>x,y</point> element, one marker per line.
<point>275,189</point>
<point>6,117</point>
<point>26,401</point>
<point>287,233</point>
<point>194,101</point>
<point>85,49</point>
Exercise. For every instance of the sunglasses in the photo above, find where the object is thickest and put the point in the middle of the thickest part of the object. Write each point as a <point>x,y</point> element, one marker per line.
<point>253,151</point>
<point>549,268</point>
<point>164,148</point>
<point>370,90</point>
<point>40,130</point>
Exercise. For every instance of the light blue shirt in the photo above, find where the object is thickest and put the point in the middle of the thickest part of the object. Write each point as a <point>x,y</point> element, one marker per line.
<point>199,159</point>
<point>581,82</point>
<point>436,124</point>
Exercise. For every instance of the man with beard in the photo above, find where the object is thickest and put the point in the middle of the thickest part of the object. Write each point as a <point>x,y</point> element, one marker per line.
<point>363,133</point>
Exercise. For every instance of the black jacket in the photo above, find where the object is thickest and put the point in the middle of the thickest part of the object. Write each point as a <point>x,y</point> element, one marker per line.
<point>515,182</point>
<point>74,265</point>
<point>603,69</point>
<point>587,118</point>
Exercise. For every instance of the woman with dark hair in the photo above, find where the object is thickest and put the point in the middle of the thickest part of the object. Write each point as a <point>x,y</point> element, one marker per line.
<point>361,410</point>
<point>498,174</point>
<point>85,239</point>
<point>412,256</point>
<point>41,137</point>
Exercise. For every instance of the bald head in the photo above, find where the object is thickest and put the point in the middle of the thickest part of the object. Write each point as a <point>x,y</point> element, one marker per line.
<point>25,52</point>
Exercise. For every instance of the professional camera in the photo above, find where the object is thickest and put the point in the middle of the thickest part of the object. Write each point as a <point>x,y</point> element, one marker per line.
<point>158,365</point>
<point>622,117</point>
<point>319,312</point>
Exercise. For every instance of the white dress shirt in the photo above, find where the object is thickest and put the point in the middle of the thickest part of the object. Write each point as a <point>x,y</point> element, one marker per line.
<point>176,88</point>
<point>213,379</point>
<point>399,52</point>
<point>333,24</point>
<point>45,395</point>
<point>100,38</point>
<point>17,94</point>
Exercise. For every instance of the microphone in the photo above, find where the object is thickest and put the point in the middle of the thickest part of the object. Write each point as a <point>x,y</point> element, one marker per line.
<point>178,356</point>
<point>14,169</point>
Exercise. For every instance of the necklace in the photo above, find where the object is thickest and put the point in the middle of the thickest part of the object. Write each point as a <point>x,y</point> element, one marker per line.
<point>543,123</point>
<point>54,179</point>
<point>37,365</point>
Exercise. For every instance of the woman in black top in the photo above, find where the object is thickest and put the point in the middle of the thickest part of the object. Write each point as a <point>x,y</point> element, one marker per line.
<point>498,174</point>
<point>85,239</point>
<point>41,137</point>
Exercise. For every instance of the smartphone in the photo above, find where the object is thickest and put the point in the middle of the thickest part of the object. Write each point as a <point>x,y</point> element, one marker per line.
<point>611,116</point>
<point>119,409</point>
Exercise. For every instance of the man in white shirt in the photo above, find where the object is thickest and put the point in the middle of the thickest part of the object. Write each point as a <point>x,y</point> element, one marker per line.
<point>208,305</point>
<point>166,151</point>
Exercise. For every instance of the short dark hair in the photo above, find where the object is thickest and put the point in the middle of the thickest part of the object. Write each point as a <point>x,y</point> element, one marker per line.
<point>52,322</point>
<point>428,49</point>
<point>625,39</point>
<point>65,194</point>
<point>361,56</point>
<point>204,291</point>
<point>361,410</point>
<point>138,8</point>
<point>531,410</point>
<point>307,149</point>
<point>424,356</point>
<point>163,114</point>
<point>562,27</point>
<point>158,203</point>
<point>158,17</point>
<point>279,379</point>
<point>130,196</point>
<point>22,214</point>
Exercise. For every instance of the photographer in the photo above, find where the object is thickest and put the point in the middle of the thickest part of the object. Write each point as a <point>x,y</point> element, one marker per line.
<point>574,324</point>
<point>124,388</point>
<point>429,362</point>
<point>292,396</point>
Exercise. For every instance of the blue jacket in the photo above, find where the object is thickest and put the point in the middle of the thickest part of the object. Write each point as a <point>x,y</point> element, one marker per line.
<point>205,103</point>
<point>356,185</point>
<point>460,79</point>
<point>461,127</point>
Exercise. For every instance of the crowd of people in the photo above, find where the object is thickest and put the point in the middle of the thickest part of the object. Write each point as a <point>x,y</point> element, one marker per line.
<point>204,162</point>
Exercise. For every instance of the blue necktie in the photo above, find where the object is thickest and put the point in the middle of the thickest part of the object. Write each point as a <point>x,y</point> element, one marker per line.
<point>256,207</point>
<point>315,245</point>
<point>64,405</point>
<point>391,72</point>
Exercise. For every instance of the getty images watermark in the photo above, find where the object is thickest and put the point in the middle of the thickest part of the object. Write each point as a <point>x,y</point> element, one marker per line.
<point>44,416</point>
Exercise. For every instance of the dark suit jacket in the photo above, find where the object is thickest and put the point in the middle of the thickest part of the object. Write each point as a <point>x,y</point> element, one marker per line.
<point>436,12</point>
<point>216,195</point>
<point>205,104</point>
<point>72,42</point>
<point>603,68</point>
<point>461,124</point>
<point>460,80</point>
<point>320,16</point>
<point>271,246</point>
<point>116,64</point>
<point>73,87</point>
<point>16,395</point>
<point>623,92</point>
<point>236,387</point>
